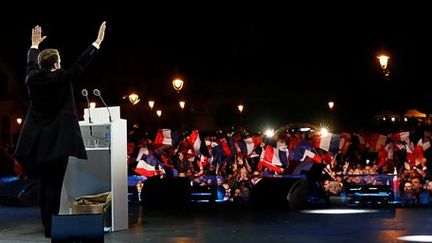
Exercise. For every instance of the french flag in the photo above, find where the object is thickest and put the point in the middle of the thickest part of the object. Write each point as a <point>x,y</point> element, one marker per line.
<point>166,137</point>
<point>376,142</point>
<point>226,148</point>
<point>345,142</point>
<point>402,136</point>
<point>218,154</point>
<point>385,154</point>
<point>275,156</point>
<point>315,157</point>
<point>146,169</point>
<point>417,156</point>
<point>297,152</point>
<point>329,143</point>
<point>248,145</point>
<point>197,143</point>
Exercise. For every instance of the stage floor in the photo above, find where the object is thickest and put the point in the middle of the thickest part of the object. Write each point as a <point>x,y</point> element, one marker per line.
<point>221,224</point>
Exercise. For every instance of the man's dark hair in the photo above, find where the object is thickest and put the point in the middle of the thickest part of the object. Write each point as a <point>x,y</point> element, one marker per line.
<point>47,58</point>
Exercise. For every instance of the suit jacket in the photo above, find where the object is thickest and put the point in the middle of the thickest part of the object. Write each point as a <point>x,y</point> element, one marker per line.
<point>51,128</point>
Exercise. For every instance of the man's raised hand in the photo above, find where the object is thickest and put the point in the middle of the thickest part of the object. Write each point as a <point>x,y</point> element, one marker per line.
<point>37,37</point>
<point>101,33</point>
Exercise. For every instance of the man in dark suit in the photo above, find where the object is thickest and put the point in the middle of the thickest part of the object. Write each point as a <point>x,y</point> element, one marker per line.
<point>51,132</point>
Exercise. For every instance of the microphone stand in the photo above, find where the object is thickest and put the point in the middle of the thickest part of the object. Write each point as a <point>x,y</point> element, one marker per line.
<point>84,92</point>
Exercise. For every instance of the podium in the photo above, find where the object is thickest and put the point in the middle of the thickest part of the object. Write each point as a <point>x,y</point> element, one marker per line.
<point>104,170</point>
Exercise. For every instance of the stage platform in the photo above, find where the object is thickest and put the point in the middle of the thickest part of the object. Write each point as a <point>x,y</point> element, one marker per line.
<point>231,224</point>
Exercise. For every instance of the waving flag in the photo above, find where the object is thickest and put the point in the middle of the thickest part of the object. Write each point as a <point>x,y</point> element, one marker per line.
<point>248,145</point>
<point>416,156</point>
<point>228,151</point>
<point>402,136</point>
<point>315,157</point>
<point>329,143</point>
<point>345,142</point>
<point>197,143</point>
<point>376,142</point>
<point>275,155</point>
<point>147,170</point>
<point>166,137</point>
<point>297,152</point>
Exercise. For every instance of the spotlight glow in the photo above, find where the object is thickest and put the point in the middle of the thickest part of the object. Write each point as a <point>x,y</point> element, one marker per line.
<point>324,132</point>
<point>416,238</point>
<point>339,211</point>
<point>269,133</point>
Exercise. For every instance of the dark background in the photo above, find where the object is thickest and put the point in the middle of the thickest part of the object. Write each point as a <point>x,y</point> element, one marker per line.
<point>283,62</point>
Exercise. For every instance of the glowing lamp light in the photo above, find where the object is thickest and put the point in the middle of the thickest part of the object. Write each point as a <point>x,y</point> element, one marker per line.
<point>393,119</point>
<point>324,132</point>
<point>19,121</point>
<point>383,60</point>
<point>92,104</point>
<point>331,105</point>
<point>405,119</point>
<point>269,133</point>
<point>240,108</point>
<point>134,99</point>
<point>159,113</point>
<point>182,104</point>
<point>151,104</point>
<point>177,84</point>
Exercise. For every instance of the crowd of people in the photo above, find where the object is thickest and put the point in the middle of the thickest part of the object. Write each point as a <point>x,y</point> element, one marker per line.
<point>366,159</point>
<point>234,163</point>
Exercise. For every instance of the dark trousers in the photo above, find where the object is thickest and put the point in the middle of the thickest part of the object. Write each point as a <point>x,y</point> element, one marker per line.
<point>51,177</point>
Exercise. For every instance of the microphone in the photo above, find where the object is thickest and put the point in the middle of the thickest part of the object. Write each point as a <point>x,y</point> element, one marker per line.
<point>84,93</point>
<point>96,92</point>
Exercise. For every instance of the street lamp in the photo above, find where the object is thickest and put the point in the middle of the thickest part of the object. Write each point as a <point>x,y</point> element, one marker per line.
<point>331,105</point>
<point>182,104</point>
<point>240,108</point>
<point>177,84</point>
<point>134,99</point>
<point>19,121</point>
<point>151,104</point>
<point>159,113</point>
<point>383,61</point>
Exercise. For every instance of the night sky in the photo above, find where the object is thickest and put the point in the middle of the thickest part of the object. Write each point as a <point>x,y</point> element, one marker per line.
<point>283,63</point>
